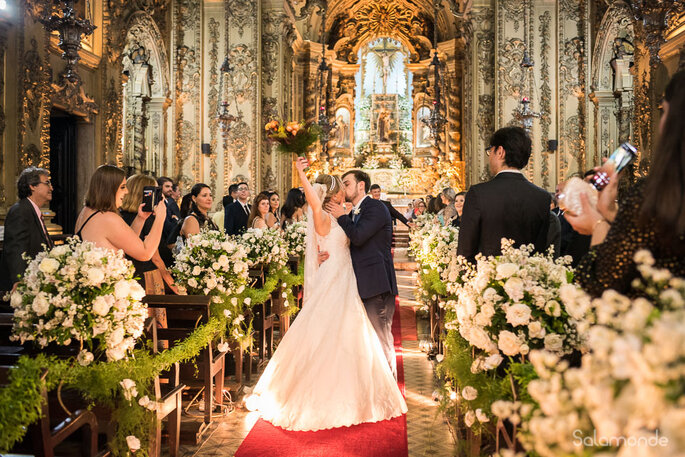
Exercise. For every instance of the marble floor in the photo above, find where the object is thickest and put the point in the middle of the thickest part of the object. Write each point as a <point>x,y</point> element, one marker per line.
<point>427,431</point>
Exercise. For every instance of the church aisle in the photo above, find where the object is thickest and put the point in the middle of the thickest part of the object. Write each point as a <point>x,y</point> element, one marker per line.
<point>422,433</point>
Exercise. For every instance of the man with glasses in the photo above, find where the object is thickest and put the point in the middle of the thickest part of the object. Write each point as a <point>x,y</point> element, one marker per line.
<point>25,231</point>
<point>237,213</point>
<point>507,206</point>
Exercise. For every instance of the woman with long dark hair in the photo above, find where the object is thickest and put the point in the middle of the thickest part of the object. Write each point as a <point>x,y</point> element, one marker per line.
<point>259,211</point>
<point>201,203</point>
<point>291,211</point>
<point>101,223</point>
<point>273,219</point>
<point>650,216</point>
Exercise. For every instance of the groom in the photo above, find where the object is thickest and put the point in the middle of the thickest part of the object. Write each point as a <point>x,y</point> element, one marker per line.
<point>369,228</point>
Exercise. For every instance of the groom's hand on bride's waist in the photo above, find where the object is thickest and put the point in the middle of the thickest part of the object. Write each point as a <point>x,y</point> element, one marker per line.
<point>334,209</point>
<point>323,256</point>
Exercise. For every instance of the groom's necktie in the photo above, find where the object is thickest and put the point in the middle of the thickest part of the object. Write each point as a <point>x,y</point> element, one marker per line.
<point>355,218</point>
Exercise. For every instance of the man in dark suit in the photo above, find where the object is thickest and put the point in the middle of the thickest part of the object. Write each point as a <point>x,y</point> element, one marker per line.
<point>231,197</point>
<point>25,230</point>
<point>375,193</point>
<point>507,206</point>
<point>173,213</point>
<point>369,228</point>
<point>237,213</point>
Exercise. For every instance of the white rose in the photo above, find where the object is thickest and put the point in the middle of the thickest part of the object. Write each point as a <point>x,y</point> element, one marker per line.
<point>133,443</point>
<point>492,361</point>
<point>481,416</point>
<point>40,304</point>
<point>16,300</point>
<point>508,343</point>
<point>247,301</point>
<point>116,337</point>
<point>216,266</point>
<point>223,260</point>
<point>514,288</point>
<point>137,292</point>
<point>211,283</point>
<point>59,251</point>
<point>84,358</point>
<point>554,342</point>
<point>553,308</point>
<point>192,282</point>
<point>129,387</point>
<point>501,409</point>
<point>469,393</point>
<point>196,270</point>
<point>48,265</point>
<point>535,330</point>
<point>95,276</point>
<point>518,314</point>
<point>100,306</point>
<point>116,353</point>
<point>505,270</point>
<point>227,313</point>
<point>469,418</point>
<point>234,301</point>
<point>222,347</point>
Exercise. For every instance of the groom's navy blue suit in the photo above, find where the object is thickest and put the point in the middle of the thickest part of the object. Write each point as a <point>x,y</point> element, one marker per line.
<point>370,234</point>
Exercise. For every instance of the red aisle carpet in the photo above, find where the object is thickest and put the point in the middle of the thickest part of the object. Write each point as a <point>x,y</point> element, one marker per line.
<point>380,439</point>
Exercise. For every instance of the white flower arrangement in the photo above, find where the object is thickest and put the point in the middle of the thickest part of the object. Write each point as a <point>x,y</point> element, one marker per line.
<point>295,236</point>
<point>78,291</point>
<point>630,387</point>
<point>510,304</point>
<point>433,245</point>
<point>211,263</point>
<point>266,247</point>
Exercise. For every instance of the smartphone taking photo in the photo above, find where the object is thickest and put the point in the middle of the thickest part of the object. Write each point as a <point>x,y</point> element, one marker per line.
<point>152,195</point>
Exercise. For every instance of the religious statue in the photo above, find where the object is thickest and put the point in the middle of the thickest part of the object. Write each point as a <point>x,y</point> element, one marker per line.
<point>342,132</point>
<point>386,71</point>
<point>383,128</point>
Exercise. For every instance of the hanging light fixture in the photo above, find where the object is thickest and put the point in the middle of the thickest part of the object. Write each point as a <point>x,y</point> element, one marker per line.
<point>323,72</point>
<point>70,29</point>
<point>436,121</point>
<point>524,114</point>
<point>224,116</point>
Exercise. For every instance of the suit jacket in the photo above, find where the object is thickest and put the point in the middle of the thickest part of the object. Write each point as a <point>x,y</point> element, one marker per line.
<point>173,215</point>
<point>394,214</point>
<point>23,234</point>
<point>554,234</point>
<point>235,218</point>
<point>507,206</point>
<point>370,248</point>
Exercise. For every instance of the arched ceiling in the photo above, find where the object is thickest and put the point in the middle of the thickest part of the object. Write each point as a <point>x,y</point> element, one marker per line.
<point>352,23</point>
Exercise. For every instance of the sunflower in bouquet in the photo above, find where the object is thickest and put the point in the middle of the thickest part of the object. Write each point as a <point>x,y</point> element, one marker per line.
<point>293,137</point>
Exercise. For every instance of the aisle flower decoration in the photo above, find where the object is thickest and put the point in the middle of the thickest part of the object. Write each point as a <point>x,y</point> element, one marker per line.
<point>212,263</point>
<point>79,292</point>
<point>510,304</point>
<point>264,246</point>
<point>292,137</point>
<point>628,396</point>
<point>295,235</point>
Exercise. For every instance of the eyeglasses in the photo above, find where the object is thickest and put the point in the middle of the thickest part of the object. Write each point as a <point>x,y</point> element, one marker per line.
<point>240,189</point>
<point>488,150</point>
<point>47,183</point>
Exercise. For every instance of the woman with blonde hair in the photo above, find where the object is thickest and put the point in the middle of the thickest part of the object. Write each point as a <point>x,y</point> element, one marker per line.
<point>128,211</point>
<point>100,222</point>
<point>447,213</point>
<point>259,211</point>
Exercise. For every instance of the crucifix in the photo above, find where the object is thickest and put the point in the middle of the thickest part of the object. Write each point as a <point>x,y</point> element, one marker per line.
<point>385,53</point>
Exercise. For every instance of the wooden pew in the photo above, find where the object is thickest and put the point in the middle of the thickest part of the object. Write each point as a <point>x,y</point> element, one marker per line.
<point>184,314</point>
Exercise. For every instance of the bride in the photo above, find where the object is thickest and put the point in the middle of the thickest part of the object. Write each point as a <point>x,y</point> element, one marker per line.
<point>329,370</point>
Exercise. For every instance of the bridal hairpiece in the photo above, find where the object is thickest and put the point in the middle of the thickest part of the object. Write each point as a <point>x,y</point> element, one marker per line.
<point>330,189</point>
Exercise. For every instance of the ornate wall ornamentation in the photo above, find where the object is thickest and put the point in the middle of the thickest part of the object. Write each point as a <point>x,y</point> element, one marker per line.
<point>34,79</point>
<point>239,141</point>
<point>269,112</point>
<point>269,179</point>
<point>243,57</point>
<point>31,156</point>
<point>545,93</point>
<point>72,98</point>
<point>213,97</point>
<point>272,29</point>
<point>242,13</point>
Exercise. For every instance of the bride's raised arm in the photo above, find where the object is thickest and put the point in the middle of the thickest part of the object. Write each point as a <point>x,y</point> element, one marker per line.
<point>322,223</point>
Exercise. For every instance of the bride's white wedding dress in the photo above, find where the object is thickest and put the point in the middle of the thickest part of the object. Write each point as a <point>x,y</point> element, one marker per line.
<point>329,370</point>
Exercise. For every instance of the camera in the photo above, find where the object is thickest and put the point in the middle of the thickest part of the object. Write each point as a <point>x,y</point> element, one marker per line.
<point>152,195</point>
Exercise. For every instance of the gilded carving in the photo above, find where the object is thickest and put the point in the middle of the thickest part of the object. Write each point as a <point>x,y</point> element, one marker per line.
<point>242,12</point>
<point>245,72</point>
<point>269,179</point>
<point>239,141</point>
<point>31,156</point>
<point>271,36</point>
<point>545,93</point>
<point>34,81</point>
<point>213,98</point>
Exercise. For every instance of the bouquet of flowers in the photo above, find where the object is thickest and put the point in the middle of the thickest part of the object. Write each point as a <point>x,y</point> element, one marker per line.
<point>295,236</point>
<point>211,263</point>
<point>433,245</point>
<point>626,398</point>
<point>292,137</point>
<point>80,292</point>
<point>264,246</point>
<point>511,304</point>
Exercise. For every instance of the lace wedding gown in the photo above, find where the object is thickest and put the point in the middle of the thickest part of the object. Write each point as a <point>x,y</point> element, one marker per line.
<point>329,370</point>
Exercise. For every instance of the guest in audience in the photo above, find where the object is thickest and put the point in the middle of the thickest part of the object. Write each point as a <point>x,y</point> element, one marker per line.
<point>554,233</point>
<point>375,193</point>
<point>419,208</point>
<point>459,206</point>
<point>129,211</point>
<point>507,206</point>
<point>173,213</point>
<point>410,211</point>
<point>434,205</point>
<point>25,231</point>
<point>173,240</point>
<point>232,195</point>
<point>176,193</point>
<point>272,217</point>
<point>651,214</point>
<point>237,213</point>
<point>201,196</point>
<point>259,211</point>
<point>100,222</point>
<point>292,208</point>
<point>448,212</point>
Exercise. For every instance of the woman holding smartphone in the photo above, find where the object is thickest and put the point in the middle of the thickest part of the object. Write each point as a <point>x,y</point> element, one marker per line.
<point>651,215</point>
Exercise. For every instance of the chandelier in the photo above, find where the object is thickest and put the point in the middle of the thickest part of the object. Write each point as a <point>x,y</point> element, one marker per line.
<point>436,121</point>
<point>524,114</point>
<point>224,116</point>
<point>323,73</point>
<point>70,29</point>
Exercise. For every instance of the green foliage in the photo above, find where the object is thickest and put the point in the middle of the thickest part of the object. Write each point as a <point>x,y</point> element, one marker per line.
<point>20,400</point>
